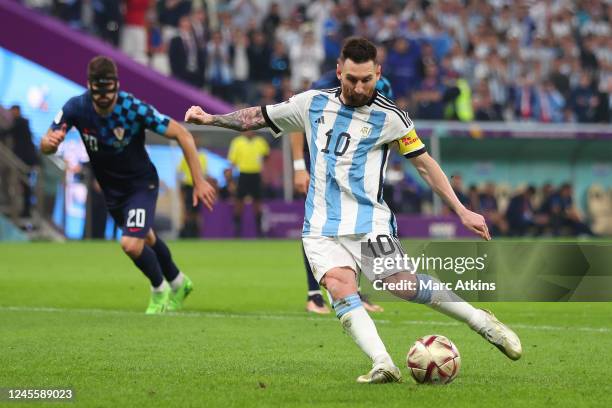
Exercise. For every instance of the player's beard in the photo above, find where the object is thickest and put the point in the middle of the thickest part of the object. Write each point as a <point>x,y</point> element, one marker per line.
<point>353,99</point>
<point>103,103</point>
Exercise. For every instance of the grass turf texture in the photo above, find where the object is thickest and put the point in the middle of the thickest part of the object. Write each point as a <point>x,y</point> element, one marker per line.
<point>72,315</point>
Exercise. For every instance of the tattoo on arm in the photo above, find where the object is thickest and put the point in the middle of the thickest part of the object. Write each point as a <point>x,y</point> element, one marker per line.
<point>244,119</point>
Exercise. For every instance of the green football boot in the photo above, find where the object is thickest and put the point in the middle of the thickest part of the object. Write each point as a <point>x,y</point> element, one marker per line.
<point>178,296</point>
<point>158,303</point>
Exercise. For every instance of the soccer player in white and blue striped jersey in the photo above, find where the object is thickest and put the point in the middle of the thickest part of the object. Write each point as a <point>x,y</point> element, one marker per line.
<point>349,131</point>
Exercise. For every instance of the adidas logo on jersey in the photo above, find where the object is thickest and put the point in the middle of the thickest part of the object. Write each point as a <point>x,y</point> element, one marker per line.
<point>320,120</point>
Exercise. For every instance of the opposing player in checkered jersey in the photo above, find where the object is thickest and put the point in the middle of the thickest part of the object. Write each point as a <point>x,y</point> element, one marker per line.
<point>349,132</point>
<point>112,126</point>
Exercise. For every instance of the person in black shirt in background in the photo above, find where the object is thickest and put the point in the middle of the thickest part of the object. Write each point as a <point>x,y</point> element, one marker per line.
<point>24,149</point>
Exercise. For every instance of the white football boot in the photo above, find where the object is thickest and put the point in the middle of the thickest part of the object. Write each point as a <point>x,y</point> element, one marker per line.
<point>501,336</point>
<point>380,374</point>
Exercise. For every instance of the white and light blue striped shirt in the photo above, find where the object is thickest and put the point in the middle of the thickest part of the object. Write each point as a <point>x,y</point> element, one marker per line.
<point>348,148</point>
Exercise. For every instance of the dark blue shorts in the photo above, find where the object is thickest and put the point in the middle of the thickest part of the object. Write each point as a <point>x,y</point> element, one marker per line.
<point>136,214</point>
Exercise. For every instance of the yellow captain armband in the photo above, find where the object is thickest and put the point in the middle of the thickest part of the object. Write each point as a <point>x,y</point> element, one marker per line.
<point>410,145</point>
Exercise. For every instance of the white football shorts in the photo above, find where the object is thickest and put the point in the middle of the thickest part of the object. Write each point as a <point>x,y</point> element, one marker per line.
<point>325,253</point>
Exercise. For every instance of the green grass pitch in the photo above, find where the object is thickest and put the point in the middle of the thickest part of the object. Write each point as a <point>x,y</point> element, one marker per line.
<point>71,315</point>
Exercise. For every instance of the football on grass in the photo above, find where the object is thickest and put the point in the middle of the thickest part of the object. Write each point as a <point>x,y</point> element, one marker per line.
<point>434,359</point>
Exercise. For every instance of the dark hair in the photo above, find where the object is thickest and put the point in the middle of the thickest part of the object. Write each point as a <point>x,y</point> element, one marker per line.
<point>358,50</point>
<point>101,67</point>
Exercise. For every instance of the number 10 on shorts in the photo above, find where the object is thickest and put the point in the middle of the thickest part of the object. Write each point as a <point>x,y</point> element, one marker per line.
<point>136,218</point>
<point>380,257</point>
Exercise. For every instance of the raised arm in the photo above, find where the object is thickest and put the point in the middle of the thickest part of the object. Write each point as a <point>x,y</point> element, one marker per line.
<point>241,120</point>
<point>431,172</point>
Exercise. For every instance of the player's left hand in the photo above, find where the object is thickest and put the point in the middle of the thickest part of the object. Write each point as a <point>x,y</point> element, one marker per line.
<point>301,180</point>
<point>205,193</point>
<point>475,223</point>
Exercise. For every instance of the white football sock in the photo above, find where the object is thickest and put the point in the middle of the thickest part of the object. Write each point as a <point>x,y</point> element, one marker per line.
<point>178,281</point>
<point>160,288</point>
<point>358,324</point>
<point>462,311</point>
<point>447,302</point>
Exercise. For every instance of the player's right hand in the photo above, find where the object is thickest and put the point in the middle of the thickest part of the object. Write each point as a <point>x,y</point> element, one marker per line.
<point>196,115</point>
<point>301,180</point>
<point>205,193</point>
<point>56,137</point>
<point>475,223</point>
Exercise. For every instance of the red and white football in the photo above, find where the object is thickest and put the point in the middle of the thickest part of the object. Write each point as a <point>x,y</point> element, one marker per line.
<point>434,359</point>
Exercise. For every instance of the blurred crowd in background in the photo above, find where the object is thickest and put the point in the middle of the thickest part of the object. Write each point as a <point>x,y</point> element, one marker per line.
<point>527,60</point>
<point>528,210</point>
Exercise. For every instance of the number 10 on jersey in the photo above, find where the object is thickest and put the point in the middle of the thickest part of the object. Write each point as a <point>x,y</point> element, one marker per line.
<point>342,143</point>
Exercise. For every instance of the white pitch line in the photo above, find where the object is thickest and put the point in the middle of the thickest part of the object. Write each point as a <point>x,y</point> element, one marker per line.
<point>264,316</point>
<point>287,316</point>
<point>586,329</point>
